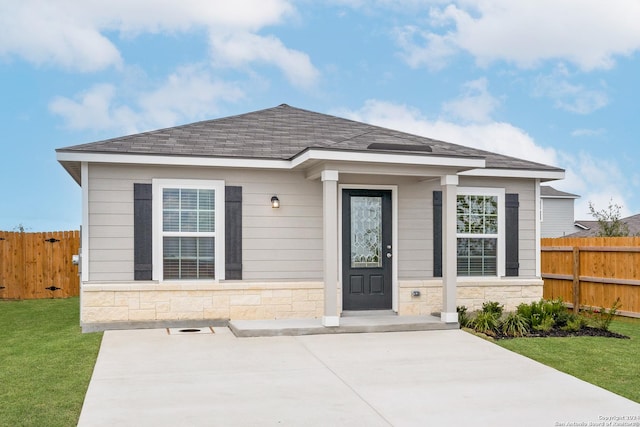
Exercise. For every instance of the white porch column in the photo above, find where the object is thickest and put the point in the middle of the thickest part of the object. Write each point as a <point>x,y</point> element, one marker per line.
<point>449,249</point>
<point>330,242</point>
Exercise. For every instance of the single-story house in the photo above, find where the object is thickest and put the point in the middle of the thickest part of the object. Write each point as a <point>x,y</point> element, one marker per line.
<point>556,212</point>
<point>288,213</point>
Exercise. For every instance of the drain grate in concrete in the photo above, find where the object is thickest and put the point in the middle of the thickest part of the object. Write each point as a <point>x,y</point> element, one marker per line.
<point>190,331</point>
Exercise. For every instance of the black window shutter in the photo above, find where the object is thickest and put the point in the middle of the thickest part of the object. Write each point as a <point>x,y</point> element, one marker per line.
<point>512,227</point>
<point>142,232</point>
<point>233,233</point>
<point>437,234</point>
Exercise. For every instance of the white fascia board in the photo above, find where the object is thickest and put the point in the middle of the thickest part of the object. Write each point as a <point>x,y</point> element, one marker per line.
<point>516,173</point>
<point>559,197</point>
<point>407,159</point>
<point>142,159</point>
<point>309,155</point>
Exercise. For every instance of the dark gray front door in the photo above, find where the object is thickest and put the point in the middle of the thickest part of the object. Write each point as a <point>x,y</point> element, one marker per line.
<point>366,249</point>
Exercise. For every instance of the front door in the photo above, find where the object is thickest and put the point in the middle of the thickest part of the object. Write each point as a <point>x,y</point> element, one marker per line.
<point>366,249</point>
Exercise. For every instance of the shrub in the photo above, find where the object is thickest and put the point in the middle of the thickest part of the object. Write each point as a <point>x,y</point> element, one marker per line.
<point>486,322</point>
<point>526,311</point>
<point>602,319</point>
<point>515,325</point>
<point>562,318</point>
<point>463,317</point>
<point>493,307</point>
<point>544,323</point>
<point>575,323</point>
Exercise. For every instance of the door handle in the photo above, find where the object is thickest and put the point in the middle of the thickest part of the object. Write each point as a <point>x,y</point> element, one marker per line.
<point>389,255</point>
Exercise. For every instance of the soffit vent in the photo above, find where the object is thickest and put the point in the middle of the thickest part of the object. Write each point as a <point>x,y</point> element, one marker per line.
<point>398,147</point>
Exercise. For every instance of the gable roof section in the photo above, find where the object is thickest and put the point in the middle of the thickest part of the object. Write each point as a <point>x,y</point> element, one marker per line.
<point>283,133</point>
<point>547,191</point>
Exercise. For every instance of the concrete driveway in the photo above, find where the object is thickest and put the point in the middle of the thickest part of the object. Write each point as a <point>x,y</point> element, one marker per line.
<point>432,378</point>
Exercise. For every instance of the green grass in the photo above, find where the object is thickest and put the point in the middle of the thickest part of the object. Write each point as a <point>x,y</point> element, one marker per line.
<point>45,362</point>
<point>610,363</point>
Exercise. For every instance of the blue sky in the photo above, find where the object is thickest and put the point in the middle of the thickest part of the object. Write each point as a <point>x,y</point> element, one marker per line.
<point>553,81</point>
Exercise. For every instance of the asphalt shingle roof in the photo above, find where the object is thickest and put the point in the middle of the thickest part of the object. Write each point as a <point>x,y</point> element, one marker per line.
<point>633,222</point>
<point>547,191</point>
<point>281,133</point>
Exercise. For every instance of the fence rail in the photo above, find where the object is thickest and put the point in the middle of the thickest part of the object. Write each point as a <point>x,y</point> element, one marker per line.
<point>593,271</point>
<point>38,265</point>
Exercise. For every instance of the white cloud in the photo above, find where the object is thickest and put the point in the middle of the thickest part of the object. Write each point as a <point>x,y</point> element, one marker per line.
<point>46,33</point>
<point>587,33</point>
<point>240,49</point>
<point>188,94</point>
<point>502,138</point>
<point>475,104</point>
<point>594,179</point>
<point>80,35</point>
<point>567,96</point>
<point>587,132</point>
<point>422,48</point>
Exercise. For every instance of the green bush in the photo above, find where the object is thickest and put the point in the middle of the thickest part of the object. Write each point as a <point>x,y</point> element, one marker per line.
<point>486,322</point>
<point>602,319</point>
<point>574,323</point>
<point>557,310</point>
<point>515,325</point>
<point>544,323</point>
<point>526,311</point>
<point>493,307</point>
<point>463,318</point>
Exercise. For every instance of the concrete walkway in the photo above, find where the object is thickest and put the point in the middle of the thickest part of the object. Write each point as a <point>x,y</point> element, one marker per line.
<point>420,378</point>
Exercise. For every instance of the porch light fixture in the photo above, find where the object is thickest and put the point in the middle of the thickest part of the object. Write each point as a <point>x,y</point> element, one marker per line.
<point>275,202</point>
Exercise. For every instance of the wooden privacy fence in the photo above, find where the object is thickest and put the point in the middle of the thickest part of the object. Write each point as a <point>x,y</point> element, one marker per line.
<point>38,265</point>
<point>593,271</point>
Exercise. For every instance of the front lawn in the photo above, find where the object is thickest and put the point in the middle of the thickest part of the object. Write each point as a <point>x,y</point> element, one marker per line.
<point>46,362</point>
<point>610,363</point>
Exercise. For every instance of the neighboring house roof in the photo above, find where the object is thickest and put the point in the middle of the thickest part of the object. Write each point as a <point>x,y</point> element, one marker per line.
<point>284,133</point>
<point>591,228</point>
<point>549,192</point>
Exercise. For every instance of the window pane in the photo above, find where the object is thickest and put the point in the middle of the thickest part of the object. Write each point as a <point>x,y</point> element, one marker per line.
<point>188,221</point>
<point>477,257</point>
<point>171,257</point>
<point>366,231</point>
<point>476,225</point>
<point>171,221</point>
<point>491,225</point>
<point>477,214</point>
<point>206,200</point>
<point>188,199</point>
<point>476,204</point>
<point>170,198</point>
<point>206,222</point>
<point>491,205</point>
<point>189,258</point>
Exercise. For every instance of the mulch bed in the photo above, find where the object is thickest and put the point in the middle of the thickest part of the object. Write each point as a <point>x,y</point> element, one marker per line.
<point>584,332</point>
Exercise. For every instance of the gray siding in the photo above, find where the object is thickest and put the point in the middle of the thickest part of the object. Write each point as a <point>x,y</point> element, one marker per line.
<point>279,244</point>
<point>557,217</point>
<point>284,243</point>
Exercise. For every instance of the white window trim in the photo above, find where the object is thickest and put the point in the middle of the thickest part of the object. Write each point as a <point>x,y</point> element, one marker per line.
<point>218,186</point>
<point>500,194</point>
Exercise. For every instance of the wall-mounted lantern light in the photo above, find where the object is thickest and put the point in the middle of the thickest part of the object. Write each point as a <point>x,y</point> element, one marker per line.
<point>275,202</point>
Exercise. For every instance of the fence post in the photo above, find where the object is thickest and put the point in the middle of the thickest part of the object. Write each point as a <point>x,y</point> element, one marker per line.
<point>576,279</point>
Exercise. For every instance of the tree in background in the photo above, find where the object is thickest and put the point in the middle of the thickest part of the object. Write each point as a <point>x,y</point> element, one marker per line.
<point>21,228</point>
<point>609,221</point>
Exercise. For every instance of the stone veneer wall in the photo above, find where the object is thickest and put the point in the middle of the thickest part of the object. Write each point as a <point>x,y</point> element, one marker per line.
<point>150,302</point>
<point>470,293</point>
<point>105,303</point>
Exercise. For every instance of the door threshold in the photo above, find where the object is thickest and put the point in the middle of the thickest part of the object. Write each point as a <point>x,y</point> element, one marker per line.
<point>355,313</point>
